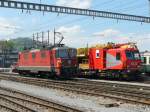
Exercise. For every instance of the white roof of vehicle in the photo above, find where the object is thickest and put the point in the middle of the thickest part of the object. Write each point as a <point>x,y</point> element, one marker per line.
<point>146,53</point>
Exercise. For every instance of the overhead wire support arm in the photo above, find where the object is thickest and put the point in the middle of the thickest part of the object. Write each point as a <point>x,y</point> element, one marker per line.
<point>69,10</point>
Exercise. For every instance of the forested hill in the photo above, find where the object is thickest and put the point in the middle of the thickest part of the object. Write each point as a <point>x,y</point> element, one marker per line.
<point>21,43</point>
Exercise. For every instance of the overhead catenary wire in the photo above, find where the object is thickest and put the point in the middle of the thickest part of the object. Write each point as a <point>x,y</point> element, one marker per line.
<point>121,5</point>
<point>77,20</point>
<point>125,6</point>
<point>112,0</point>
<point>131,7</point>
<point>128,6</point>
<point>72,11</point>
<point>103,3</point>
<point>73,21</point>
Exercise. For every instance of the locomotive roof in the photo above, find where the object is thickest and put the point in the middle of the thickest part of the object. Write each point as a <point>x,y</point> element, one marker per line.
<point>54,48</point>
<point>65,47</point>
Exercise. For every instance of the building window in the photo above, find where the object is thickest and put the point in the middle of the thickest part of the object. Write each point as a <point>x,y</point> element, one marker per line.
<point>33,55</point>
<point>144,60</point>
<point>118,56</point>
<point>43,54</point>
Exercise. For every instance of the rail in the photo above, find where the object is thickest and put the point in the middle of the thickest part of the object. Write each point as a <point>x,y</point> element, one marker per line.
<point>133,95</point>
<point>22,102</point>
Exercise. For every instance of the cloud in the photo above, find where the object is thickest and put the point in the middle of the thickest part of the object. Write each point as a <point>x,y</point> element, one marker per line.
<point>75,37</point>
<point>7,27</point>
<point>116,36</point>
<point>107,33</point>
<point>85,4</point>
<point>142,40</point>
<point>72,34</point>
<point>112,35</point>
<point>73,29</point>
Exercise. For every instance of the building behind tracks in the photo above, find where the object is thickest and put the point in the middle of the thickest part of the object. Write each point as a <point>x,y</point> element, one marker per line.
<point>146,61</point>
<point>8,54</point>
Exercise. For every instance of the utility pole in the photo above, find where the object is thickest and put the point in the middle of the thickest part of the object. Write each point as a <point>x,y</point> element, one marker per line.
<point>37,40</point>
<point>54,36</point>
<point>48,37</point>
<point>42,38</point>
<point>33,41</point>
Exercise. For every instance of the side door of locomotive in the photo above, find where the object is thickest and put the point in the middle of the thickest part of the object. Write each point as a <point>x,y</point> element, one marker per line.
<point>104,59</point>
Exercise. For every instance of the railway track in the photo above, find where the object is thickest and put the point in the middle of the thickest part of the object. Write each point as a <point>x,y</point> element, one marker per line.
<point>126,85</point>
<point>16,101</point>
<point>127,93</point>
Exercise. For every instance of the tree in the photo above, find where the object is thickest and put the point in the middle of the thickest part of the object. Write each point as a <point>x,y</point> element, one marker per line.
<point>6,45</point>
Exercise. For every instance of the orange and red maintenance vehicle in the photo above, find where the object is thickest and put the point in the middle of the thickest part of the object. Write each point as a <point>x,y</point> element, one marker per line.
<point>111,60</point>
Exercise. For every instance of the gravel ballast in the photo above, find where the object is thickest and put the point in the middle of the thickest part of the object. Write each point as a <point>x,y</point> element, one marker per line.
<point>83,102</point>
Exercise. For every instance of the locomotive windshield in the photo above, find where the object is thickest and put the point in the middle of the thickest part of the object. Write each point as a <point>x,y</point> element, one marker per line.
<point>133,55</point>
<point>66,53</point>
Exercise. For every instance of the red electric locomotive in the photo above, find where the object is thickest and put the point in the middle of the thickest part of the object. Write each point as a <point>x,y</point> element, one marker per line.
<point>55,61</point>
<point>114,60</point>
<point>58,61</point>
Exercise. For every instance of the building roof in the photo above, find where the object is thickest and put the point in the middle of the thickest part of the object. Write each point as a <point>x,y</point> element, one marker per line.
<point>145,53</point>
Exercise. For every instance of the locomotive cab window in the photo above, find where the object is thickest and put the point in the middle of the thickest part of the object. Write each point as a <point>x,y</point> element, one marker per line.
<point>66,53</point>
<point>133,55</point>
<point>118,56</point>
<point>144,60</point>
<point>137,55</point>
<point>61,53</point>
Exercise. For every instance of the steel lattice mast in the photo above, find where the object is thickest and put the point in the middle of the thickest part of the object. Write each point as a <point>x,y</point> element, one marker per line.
<point>69,10</point>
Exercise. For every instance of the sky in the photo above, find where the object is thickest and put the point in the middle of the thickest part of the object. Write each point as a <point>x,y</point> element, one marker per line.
<point>80,30</point>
